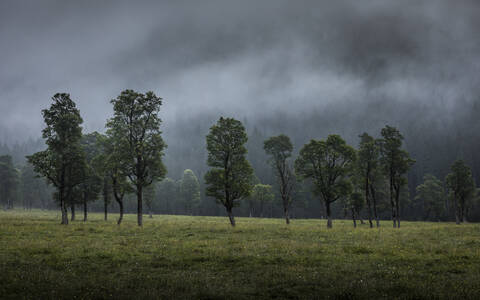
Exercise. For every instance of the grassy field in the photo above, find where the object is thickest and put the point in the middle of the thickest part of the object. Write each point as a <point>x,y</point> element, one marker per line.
<point>204,258</point>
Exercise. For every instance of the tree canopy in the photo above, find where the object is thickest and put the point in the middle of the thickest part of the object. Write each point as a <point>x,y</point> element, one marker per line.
<point>135,130</point>
<point>230,176</point>
<point>328,163</point>
<point>395,162</point>
<point>431,194</point>
<point>462,186</point>
<point>280,148</point>
<point>63,162</point>
<point>190,191</point>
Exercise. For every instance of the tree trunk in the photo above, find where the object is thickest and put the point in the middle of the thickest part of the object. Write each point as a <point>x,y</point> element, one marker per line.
<point>85,212</point>
<point>231,217</point>
<point>462,210</point>
<point>287,218</point>
<point>329,217</point>
<point>63,207</point>
<point>367,198</point>
<point>72,208</point>
<point>140,205</point>
<point>105,206</point>
<point>106,198</point>
<point>120,203</point>
<point>392,204</point>
<point>372,190</point>
<point>397,205</point>
<point>118,198</point>
<point>398,214</point>
<point>353,218</point>
<point>150,213</point>
<point>457,216</point>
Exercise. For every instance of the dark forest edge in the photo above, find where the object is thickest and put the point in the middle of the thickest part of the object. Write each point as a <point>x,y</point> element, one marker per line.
<point>126,162</point>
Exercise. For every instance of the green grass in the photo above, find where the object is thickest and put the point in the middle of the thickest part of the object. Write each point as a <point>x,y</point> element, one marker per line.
<point>204,258</point>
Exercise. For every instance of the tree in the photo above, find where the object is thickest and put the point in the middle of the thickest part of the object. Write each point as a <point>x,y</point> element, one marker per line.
<point>190,191</point>
<point>167,193</point>
<point>230,178</point>
<point>93,183</point>
<point>135,127</point>
<point>328,163</point>
<point>33,189</point>
<point>396,162</point>
<point>431,194</point>
<point>263,194</point>
<point>111,167</point>
<point>63,162</point>
<point>367,163</point>
<point>280,149</point>
<point>149,196</point>
<point>9,178</point>
<point>355,203</point>
<point>462,186</point>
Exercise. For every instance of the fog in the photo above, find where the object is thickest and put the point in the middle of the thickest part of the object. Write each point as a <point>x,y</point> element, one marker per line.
<point>225,57</point>
<point>305,68</point>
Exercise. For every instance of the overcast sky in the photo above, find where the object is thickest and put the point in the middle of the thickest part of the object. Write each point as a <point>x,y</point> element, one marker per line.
<point>232,57</point>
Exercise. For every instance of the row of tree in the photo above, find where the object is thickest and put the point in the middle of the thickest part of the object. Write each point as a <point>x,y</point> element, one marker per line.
<point>335,170</point>
<point>128,159</point>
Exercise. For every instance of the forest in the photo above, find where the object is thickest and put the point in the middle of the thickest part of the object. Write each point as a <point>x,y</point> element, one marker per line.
<point>423,186</point>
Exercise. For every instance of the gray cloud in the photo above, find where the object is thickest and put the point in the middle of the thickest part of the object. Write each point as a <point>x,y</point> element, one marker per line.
<point>234,57</point>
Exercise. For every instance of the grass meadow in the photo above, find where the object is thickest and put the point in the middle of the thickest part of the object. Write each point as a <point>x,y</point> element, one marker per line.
<point>204,258</point>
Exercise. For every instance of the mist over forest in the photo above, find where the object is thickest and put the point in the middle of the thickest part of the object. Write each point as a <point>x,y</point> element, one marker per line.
<point>223,149</point>
<point>305,69</point>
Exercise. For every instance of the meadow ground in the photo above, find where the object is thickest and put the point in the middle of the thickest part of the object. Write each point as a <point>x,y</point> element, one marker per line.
<point>203,257</point>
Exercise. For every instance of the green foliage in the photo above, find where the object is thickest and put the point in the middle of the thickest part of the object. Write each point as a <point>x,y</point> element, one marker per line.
<point>395,162</point>
<point>328,163</point>
<point>149,196</point>
<point>9,180</point>
<point>230,178</point>
<point>189,191</point>
<point>90,188</point>
<point>200,258</point>
<point>462,186</point>
<point>280,148</point>
<point>263,195</point>
<point>135,130</point>
<point>356,202</point>
<point>63,162</point>
<point>168,195</point>
<point>34,190</point>
<point>368,173</point>
<point>368,153</point>
<point>108,163</point>
<point>138,144</point>
<point>431,195</point>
